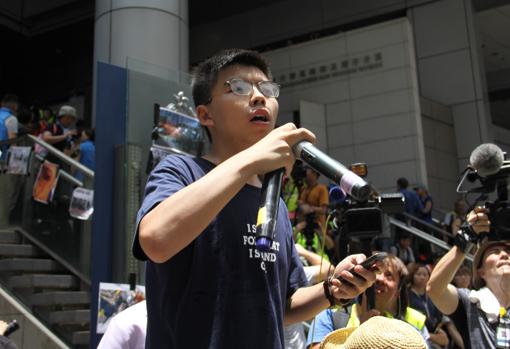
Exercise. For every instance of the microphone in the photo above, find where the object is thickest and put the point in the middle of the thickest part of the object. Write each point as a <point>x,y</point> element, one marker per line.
<point>268,209</point>
<point>487,159</point>
<point>11,327</point>
<point>350,182</point>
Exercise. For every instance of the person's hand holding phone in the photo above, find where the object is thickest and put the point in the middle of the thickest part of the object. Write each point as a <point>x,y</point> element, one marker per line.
<point>351,278</point>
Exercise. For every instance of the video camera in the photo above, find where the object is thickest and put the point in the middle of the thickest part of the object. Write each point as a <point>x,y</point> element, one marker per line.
<point>489,167</point>
<point>363,221</point>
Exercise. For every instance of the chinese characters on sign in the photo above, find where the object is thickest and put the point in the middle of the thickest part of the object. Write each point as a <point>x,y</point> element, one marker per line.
<point>337,68</point>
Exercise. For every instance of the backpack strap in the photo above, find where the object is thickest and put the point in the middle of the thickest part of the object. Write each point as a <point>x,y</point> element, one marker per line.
<point>340,317</point>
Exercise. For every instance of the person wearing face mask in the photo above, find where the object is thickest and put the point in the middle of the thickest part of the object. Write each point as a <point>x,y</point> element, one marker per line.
<point>391,300</point>
<point>480,315</point>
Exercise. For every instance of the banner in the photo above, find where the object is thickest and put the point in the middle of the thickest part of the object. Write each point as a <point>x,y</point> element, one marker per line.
<point>82,202</point>
<point>18,160</point>
<point>46,182</point>
<point>113,298</point>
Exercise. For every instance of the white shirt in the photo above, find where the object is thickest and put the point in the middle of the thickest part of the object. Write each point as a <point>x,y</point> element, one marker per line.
<point>127,329</point>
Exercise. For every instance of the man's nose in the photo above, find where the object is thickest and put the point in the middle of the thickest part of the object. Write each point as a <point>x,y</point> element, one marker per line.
<point>257,98</point>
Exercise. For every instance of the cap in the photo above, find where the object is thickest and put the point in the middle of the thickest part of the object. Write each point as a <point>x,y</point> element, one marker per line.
<point>67,110</point>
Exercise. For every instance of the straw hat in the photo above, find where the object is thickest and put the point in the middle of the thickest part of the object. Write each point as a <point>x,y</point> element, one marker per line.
<point>377,332</point>
<point>478,259</point>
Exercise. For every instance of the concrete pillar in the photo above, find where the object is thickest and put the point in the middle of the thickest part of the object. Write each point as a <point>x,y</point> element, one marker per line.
<point>152,31</point>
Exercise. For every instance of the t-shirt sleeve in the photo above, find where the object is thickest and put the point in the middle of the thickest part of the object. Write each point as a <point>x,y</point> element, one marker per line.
<point>297,276</point>
<point>170,175</point>
<point>459,314</point>
<point>321,326</point>
<point>11,123</point>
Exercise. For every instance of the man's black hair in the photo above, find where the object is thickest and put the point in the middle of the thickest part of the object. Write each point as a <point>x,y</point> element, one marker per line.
<point>206,73</point>
<point>402,183</point>
<point>10,98</point>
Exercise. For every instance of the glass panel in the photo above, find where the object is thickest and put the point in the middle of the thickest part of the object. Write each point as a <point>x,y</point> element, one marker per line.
<point>48,221</point>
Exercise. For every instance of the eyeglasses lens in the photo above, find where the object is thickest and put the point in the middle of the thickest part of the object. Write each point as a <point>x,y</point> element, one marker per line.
<point>245,88</point>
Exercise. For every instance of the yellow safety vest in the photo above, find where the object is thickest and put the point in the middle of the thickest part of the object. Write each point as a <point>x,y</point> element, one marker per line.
<point>412,317</point>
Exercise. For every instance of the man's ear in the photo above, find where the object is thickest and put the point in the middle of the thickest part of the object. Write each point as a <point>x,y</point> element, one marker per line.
<point>203,116</point>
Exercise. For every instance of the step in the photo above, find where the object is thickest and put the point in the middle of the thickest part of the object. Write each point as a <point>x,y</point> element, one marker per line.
<point>60,298</point>
<point>43,281</point>
<point>81,338</point>
<point>17,250</point>
<point>9,236</point>
<point>29,265</point>
<point>68,317</point>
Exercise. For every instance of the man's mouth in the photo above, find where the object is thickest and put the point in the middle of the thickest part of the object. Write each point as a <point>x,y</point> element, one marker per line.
<point>259,118</point>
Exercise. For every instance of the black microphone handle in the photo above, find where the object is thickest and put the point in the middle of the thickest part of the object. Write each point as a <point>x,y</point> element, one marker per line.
<point>268,209</point>
<point>11,327</point>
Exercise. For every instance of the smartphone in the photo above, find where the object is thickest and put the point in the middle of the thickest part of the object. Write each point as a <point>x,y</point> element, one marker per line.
<point>367,263</point>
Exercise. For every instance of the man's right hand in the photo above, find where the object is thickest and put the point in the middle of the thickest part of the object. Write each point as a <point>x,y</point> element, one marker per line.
<point>478,220</point>
<point>275,150</point>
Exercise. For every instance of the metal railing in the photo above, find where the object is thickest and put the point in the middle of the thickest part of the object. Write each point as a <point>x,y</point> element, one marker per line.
<point>424,235</point>
<point>50,227</point>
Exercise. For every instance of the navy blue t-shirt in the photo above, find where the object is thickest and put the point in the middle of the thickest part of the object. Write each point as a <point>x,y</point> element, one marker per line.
<point>219,291</point>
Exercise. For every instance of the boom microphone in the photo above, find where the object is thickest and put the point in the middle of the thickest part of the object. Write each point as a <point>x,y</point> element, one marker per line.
<point>487,159</point>
<point>350,182</point>
<point>268,209</point>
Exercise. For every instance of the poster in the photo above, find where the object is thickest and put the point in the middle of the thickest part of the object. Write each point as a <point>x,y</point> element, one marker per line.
<point>113,298</point>
<point>82,202</point>
<point>18,160</point>
<point>46,182</point>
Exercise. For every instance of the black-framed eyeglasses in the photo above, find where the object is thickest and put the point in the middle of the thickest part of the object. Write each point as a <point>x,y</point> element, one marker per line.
<point>241,87</point>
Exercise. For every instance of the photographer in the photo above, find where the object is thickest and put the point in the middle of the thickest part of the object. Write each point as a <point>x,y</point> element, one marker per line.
<point>314,198</point>
<point>480,315</point>
<point>308,234</point>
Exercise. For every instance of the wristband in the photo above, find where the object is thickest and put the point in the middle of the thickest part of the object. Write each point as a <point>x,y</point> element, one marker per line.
<point>329,296</point>
<point>465,239</point>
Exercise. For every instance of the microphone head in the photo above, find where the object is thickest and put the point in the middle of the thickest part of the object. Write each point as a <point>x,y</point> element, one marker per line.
<point>487,159</point>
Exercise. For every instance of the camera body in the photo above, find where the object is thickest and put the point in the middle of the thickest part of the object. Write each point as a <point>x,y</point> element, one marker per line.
<point>499,209</point>
<point>364,219</point>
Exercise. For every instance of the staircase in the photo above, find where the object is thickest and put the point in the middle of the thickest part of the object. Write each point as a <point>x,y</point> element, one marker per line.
<point>55,295</point>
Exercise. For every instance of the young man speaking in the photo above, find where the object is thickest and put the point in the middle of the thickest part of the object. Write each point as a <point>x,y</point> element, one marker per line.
<point>207,284</point>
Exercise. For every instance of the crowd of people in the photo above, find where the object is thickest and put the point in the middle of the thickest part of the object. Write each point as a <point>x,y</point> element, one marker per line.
<point>208,286</point>
<point>401,290</point>
<point>63,130</point>
<point>196,229</point>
